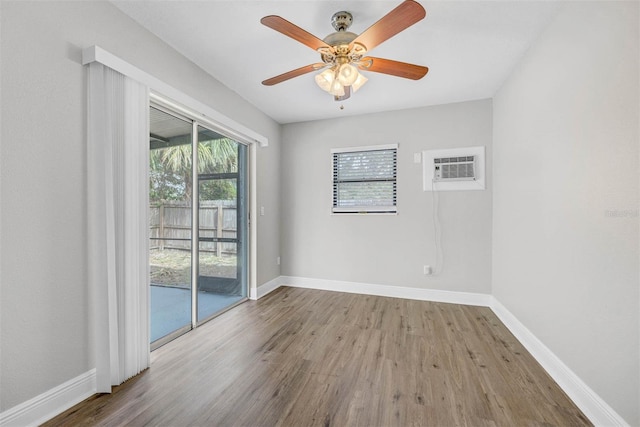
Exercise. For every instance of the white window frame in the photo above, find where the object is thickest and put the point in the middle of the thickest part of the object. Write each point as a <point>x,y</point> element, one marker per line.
<point>366,210</point>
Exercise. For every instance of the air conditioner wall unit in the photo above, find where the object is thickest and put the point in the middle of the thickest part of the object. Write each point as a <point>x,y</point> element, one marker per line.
<point>454,169</point>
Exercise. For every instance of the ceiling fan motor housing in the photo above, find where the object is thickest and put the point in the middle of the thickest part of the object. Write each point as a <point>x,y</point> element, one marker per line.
<point>342,51</point>
<point>340,38</point>
<point>339,41</point>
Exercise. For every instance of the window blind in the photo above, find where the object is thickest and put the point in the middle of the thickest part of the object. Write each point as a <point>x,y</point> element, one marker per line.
<point>365,181</point>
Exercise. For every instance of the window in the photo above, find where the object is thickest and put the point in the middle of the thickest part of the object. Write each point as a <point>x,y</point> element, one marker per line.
<point>364,179</point>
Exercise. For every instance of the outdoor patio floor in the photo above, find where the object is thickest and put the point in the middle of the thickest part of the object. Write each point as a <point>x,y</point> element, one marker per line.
<point>171,308</point>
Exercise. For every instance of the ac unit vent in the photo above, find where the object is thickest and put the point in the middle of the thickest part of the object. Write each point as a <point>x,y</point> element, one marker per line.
<point>454,168</point>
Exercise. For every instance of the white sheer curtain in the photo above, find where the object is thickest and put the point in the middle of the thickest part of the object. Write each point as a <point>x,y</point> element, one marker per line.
<point>117,161</point>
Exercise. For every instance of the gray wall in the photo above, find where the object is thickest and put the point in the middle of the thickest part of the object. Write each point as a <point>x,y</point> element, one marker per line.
<point>387,249</point>
<point>565,213</point>
<point>565,195</point>
<point>44,309</point>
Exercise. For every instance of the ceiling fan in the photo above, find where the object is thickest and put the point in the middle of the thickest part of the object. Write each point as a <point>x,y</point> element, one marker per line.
<point>343,52</point>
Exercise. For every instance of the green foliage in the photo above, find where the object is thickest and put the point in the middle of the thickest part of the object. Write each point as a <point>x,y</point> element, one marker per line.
<point>170,170</point>
<point>218,190</point>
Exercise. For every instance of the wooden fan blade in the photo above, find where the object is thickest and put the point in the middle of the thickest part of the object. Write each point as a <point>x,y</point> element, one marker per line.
<point>291,30</point>
<point>394,68</point>
<point>293,73</point>
<point>402,17</point>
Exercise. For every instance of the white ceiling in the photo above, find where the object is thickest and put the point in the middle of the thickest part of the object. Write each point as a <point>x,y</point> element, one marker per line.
<point>470,48</point>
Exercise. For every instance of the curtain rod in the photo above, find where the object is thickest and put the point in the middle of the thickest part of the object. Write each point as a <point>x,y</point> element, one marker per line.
<point>225,124</point>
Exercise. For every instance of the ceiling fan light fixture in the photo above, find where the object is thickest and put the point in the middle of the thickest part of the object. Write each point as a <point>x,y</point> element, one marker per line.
<point>347,74</point>
<point>337,79</point>
<point>361,80</point>
<point>325,79</point>
<point>337,89</point>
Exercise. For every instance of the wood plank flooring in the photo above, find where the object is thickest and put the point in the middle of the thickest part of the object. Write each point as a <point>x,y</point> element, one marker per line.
<point>301,357</point>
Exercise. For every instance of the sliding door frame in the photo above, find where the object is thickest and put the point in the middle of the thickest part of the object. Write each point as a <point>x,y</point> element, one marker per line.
<point>197,119</point>
<point>195,224</point>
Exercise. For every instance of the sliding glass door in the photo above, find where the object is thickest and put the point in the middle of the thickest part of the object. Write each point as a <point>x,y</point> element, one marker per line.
<point>170,213</point>
<point>222,224</point>
<point>199,224</point>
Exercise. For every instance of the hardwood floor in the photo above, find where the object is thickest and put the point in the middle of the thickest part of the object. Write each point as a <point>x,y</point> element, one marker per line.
<point>302,357</point>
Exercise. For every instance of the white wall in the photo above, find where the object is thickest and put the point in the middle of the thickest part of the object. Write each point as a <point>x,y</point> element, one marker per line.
<point>44,334</point>
<point>565,212</point>
<point>387,249</point>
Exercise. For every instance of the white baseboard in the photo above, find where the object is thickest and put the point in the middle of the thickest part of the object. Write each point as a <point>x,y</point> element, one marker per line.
<point>265,288</point>
<point>466,298</point>
<point>592,405</point>
<point>41,408</point>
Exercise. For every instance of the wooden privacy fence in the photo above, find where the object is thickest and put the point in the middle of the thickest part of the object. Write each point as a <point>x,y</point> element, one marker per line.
<point>170,225</point>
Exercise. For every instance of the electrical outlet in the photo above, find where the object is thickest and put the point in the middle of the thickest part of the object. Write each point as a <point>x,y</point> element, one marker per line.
<point>261,210</point>
<point>427,270</point>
